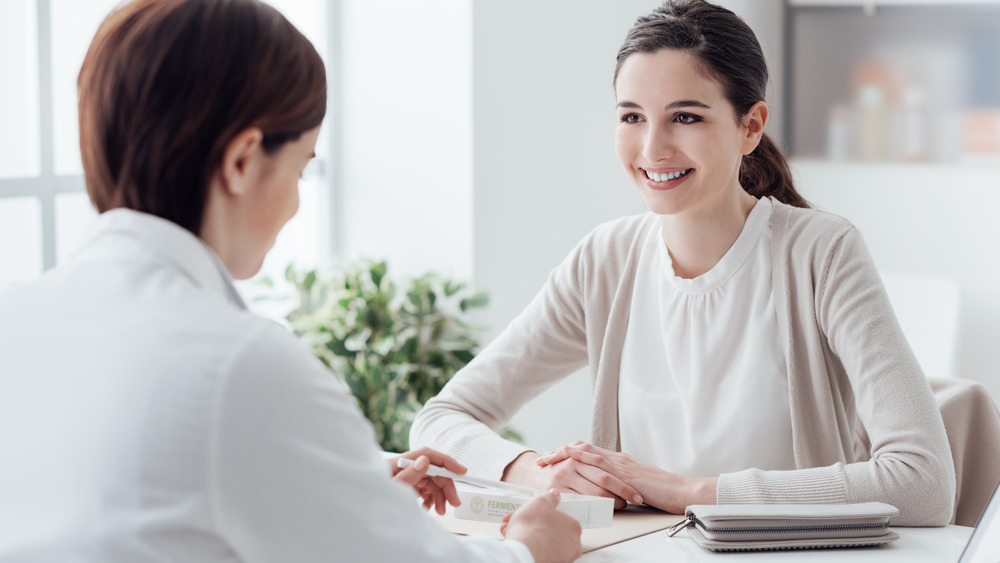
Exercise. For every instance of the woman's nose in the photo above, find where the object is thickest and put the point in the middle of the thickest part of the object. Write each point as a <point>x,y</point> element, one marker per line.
<point>659,144</point>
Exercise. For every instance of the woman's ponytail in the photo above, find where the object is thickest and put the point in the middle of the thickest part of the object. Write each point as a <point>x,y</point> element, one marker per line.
<point>765,172</point>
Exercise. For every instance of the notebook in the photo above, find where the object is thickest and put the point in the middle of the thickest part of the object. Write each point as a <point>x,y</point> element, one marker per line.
<point>984,545</point>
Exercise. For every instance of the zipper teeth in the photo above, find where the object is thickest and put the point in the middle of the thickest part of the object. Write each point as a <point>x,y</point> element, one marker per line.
<point>763,529</point>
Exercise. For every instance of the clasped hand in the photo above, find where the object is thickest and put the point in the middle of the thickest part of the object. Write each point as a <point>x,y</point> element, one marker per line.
<point>590,470</point>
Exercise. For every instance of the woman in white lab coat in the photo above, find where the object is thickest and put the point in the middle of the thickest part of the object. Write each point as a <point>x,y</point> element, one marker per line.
<point>147,415</point>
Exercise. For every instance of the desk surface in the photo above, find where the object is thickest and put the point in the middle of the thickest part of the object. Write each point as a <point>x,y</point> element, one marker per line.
<point>915,545</point>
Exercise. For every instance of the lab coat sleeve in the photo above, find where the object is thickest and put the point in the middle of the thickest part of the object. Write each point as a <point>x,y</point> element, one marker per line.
<point>296,474</point>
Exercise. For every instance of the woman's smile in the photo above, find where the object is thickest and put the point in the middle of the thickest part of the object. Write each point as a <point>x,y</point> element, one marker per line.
<point>665,179</point>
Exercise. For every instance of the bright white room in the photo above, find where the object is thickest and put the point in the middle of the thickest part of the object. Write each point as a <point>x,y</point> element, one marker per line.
<point>475,139</point>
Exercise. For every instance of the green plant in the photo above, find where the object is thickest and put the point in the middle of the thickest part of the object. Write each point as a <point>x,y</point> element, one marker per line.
<point>394,346</point>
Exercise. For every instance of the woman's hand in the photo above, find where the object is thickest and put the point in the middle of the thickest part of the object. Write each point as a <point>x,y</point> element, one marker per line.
<point>659,488</point>
<point>550,535</point>
<point>437,492</point>
<point>570,475</point>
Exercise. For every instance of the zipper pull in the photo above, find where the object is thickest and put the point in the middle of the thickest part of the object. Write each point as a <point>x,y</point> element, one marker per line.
<point>676,528</point>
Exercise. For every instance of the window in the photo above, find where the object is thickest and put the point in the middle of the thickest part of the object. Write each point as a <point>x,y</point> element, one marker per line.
<point>44,209</point>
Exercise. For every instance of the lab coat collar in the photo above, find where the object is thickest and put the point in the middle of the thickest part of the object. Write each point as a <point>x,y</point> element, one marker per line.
<point>180,247</point>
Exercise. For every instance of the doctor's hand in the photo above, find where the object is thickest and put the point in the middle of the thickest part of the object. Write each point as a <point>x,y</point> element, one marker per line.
<point>661,489</point>
<point>570,475</point>
<point>550,535</point>
<point>436,492</point>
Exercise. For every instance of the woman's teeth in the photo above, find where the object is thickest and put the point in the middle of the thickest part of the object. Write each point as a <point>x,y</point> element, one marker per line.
<point>668,176</point>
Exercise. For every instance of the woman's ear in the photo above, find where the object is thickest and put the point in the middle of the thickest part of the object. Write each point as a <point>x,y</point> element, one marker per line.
<point>754,123</point>
<point>238,158</point>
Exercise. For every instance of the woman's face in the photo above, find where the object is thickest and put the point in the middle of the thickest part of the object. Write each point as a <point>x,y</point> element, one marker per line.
<point>274,196</point>
<point>678,136</point>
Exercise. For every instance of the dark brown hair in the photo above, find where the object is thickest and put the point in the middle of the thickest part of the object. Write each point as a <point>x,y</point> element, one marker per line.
<point>729,52</point>
<point>167,84</point>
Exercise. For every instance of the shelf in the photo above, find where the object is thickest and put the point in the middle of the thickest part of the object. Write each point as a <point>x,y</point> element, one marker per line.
<point>912,81</point>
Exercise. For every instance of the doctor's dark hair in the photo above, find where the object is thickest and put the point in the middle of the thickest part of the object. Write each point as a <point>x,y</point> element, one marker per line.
<point>167,84</point>
<point>728,51</point>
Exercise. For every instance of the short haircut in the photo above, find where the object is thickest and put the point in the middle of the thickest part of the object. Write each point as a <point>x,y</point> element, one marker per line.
<point>167,84</point>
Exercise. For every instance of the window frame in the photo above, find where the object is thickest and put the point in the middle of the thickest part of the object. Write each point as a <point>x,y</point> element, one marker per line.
<point>47,186</point>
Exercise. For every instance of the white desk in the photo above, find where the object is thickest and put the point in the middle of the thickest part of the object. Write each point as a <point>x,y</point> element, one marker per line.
<point>915,545</point>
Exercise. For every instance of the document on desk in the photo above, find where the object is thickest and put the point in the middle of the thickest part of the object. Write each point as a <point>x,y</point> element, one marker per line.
<point>630,522</point>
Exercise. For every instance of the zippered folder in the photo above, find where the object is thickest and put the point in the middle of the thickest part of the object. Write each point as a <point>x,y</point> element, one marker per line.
<point>760,527</point>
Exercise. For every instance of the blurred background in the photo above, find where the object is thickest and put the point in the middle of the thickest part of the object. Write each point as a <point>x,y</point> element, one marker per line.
<point>475,139</point>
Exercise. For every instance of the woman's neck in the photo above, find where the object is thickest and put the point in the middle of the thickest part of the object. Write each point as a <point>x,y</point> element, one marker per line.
<point>698,238</point>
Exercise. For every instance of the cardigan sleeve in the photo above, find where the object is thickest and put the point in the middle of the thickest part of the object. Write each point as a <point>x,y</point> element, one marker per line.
<point>542,345</point>
<point>854,350</point>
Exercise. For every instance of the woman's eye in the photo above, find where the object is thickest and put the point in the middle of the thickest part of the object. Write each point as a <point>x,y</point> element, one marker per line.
<point>686,118</point>
<point>631,118</point>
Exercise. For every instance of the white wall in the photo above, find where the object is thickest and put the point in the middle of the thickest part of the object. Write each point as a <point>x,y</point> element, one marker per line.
<point>934,220</point>
<point>405,168</point>
<point>545,169</point>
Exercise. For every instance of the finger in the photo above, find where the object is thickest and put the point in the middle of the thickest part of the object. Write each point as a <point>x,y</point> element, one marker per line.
<point>439,459</point>
<point>553,457</point>
<point>425,497</point>
<point>432,495</point>
<point>589,458</point>
<point>414,473</point>
<point>619,502</point>
<point>564,476</point>
<point>605,475</point>
<point>577,482</point>
<point>447,487</point>
<point>585,487</point>
<point>439,500</point>
<point>504,523</point>
<point>424,491</point>
<point>609,482</point>
<point>552,496</point>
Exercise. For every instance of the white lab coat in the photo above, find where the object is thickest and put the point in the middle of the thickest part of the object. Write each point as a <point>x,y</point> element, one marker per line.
<point>145,415</point>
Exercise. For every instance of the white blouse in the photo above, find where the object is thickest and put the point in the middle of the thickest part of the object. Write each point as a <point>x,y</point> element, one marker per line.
<point>704,386</point>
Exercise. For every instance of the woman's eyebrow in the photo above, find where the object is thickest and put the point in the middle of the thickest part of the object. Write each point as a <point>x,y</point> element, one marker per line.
<point>670,106</point>
<point>688,104</point>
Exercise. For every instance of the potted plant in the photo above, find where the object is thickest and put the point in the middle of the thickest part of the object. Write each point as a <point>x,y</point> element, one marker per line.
<point>395,346</point>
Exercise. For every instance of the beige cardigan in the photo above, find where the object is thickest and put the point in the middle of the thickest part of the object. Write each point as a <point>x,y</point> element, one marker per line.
<point>853,379</point>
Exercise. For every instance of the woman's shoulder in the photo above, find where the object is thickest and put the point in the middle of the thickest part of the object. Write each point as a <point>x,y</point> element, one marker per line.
<point>604,254</point>
<point>620,232</point>
<point>799,224</point>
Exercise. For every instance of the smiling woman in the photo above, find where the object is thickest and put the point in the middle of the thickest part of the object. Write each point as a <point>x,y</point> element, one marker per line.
<point>695,139</point>
<point>712,53</point>
<point>741,346</point>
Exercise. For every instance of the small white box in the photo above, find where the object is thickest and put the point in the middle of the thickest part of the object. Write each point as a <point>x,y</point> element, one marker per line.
<point>491,505</point>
